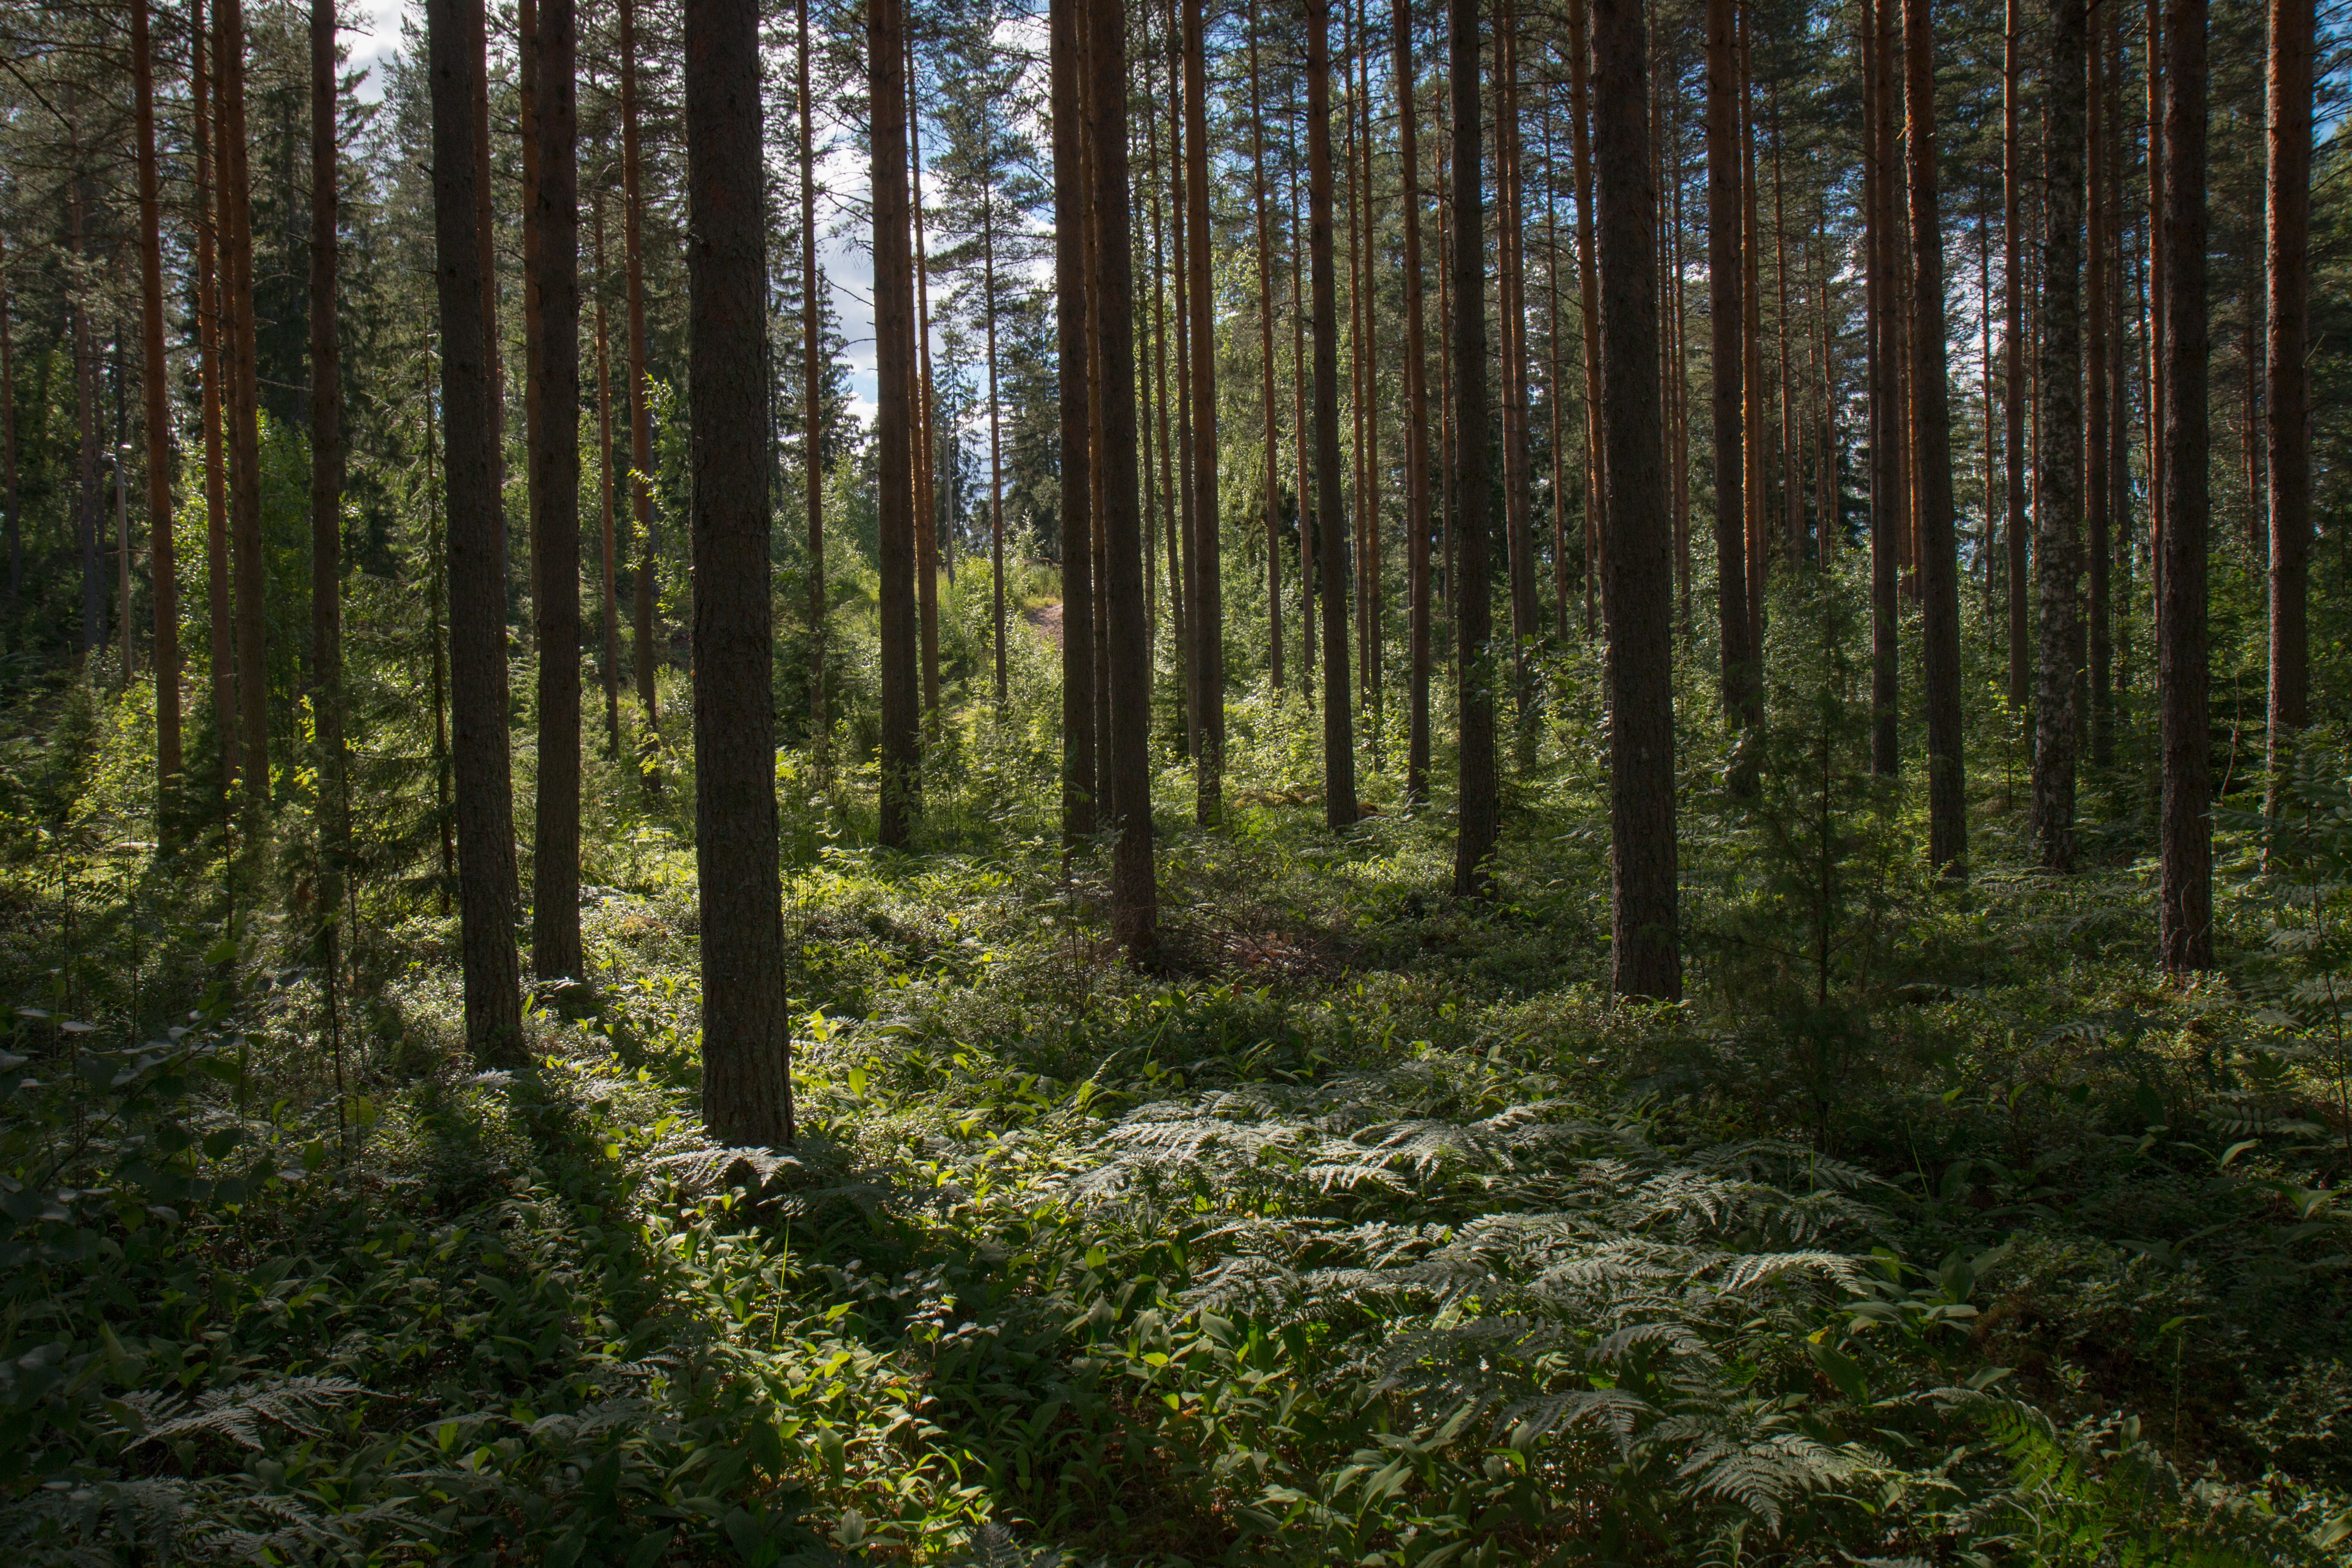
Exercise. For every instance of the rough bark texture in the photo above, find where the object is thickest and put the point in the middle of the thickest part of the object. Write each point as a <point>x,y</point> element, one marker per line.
<point>1070,199</point>
<point>485,812</point>
<point>2057,708</point>
<point>1725,299</point>
<point>2184,823</point>
<point>746,1038</point>
<point>894,345</point>
<point>1473,844</point>
<point>555,499</point>
<point>1886,497</point>
<point>1271,496</point>
<point>223,645</point>
<point>609,666</point>
<point>1416,426</point>
<point>1208,606</point>
<point>1339,808</point>
<point>1939,566</point>
<point>2287,408</point>
<point>1639,556</point>
<point>2097,389</point>
<point>812,400</point>
<point>242,409</point>
<point>1127,632</point>
<point>325,488</point>
<point>2013,393</point>
<point>153,385</point>
<point>646,655</point>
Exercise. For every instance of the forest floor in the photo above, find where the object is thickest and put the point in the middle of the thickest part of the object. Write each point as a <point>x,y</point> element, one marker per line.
<point>1934,1227</point>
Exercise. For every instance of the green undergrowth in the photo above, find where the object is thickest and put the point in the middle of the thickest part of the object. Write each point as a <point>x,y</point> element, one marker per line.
<point>1363,1229</point>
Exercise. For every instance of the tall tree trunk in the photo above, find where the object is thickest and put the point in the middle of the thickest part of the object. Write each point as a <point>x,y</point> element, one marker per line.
<point>1527,621</point>
<point>153,377</point>
<point>1886,444</point>
<point>2287,409</point>
<point>1188,658</point>
<point>813,398</point>
<point>1208,600</point>
<point>326,497</point>
<point>2157,294</point>
<point>746,1034</point>
<point>1939,565</point>
<point>1302,437</point>
<point>1416,427</point>
<point>486,884</point>
<point>9,391</point>
<point>609,666</point>
<point>641,424</point>
<point>894,425</point>
<point>1071,200</point>
<point>244,409</point>
<point>927,514</point>
<point>1340,804</point>
<point>2184,823</point>
<point>1476,834</point>
<point>995,433</point>
<point>86,418</point>
<point>1126,625</point>
<point>1742,697</point>
<point>2096,477</point>
<point>2059,481</point>
<point>1272,488</point>
<point>556,952</point>
<point>1588,292</point>
<point>2014,392</point>
<point>223,645</point>
<point>1638,557</point>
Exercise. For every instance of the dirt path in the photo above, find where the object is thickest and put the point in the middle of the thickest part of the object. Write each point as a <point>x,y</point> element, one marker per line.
<point>1047,619</point>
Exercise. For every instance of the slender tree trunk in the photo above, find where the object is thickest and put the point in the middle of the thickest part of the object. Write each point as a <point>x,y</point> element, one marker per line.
<point>436,598</point>
<point>1939,565</point>
<point>8,380</point>
<point>746,1035</point>
<point>1474,844</point>
<point>222,647</point>
<point>326,495</point>
<point>2184,824</point>
<point>1126,624</point>
<point>1416,428</point>
<point>1338,739</point>
<point>555,498</point>
<point>155,375</point>
<point>2096,478</point>
<point>645,653</point>
<point>486,239</point>
<point>1188,660</point>
<point>244,409</point>
<point>1208,603</point>
<point>1638,557</point>
<point>894,337</point>
<point>1070,284</point>
<point>927,515</point>
<point>1753,425</point>
<point>1792,502</point>
<point>2159,288</point>
<point>86,418</point>
<point>813,399</point>
<point>1272,488</point>
<point>995,435</point>
<point>1303,438</point>
<point>2287,409</point>
<point>1742,698</point>
<point>1372,602</point>
<point>609,666</point>
<point>2058,482</point>
<point>1527,621</point>
<point>1886,444</point>
<point>1596,455</point>
<point>2014,392</point>
<point>486,885</point>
